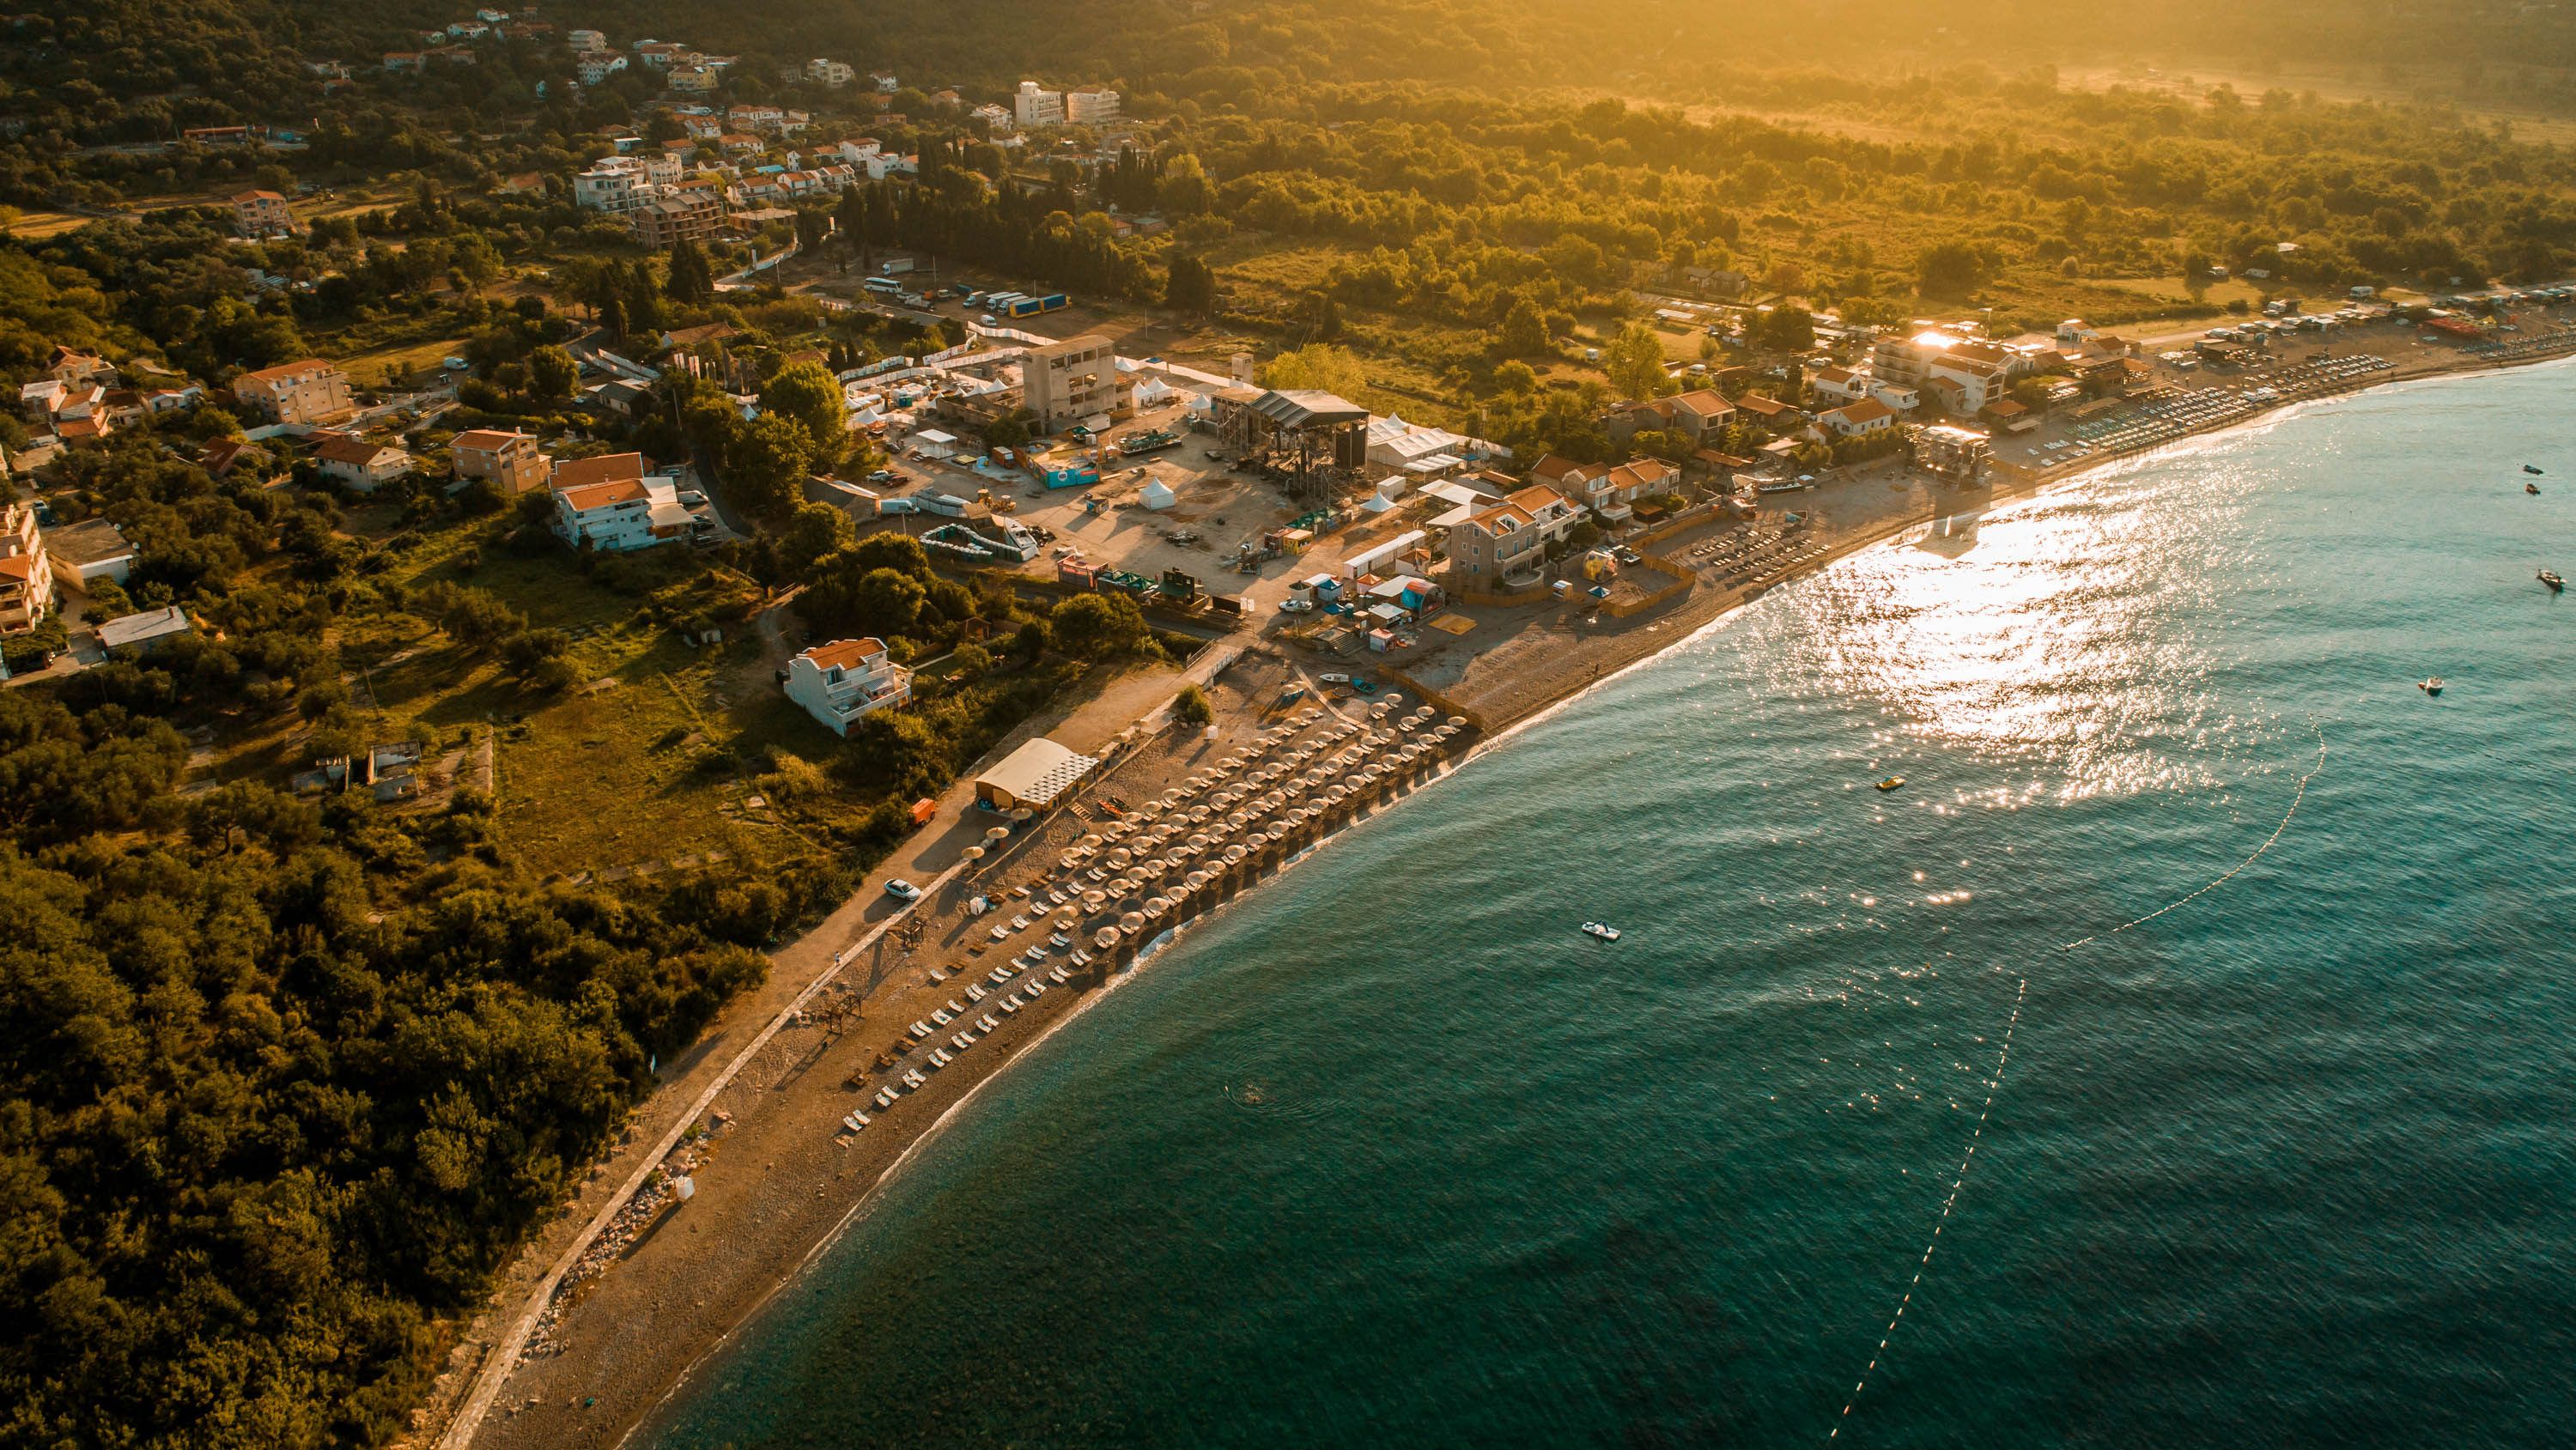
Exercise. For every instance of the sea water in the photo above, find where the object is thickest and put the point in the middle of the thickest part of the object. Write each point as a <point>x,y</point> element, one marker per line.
<point>1390,1154</point>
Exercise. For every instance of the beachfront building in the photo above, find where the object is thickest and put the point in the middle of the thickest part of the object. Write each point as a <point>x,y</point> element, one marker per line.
<point>837,683</point>
<point>311,391</point>
<point>1065,382</point>
<point>1700,416</point>
<point>1038,775</point>
<point>26,576</point>
<point>510,460</point>
<point>1956,455</point>
<point>1506,543</point>
<point>1855,420</point>
<point>1966,373</point>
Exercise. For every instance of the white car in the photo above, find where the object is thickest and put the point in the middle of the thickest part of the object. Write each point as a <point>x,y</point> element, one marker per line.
<point>902,890</point>
<point>1296,606</point>
<point>1334,679</point>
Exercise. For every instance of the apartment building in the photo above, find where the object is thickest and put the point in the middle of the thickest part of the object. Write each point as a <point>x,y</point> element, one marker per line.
<point>608,504</point>
<point>510,460</point>
<point>311,391</point>
<point>691,211</point>
<point>26,577</point>
<point>833,73</point>
<point>1035,105</point>
<point>840,682</point>
<point>1091,108</point>
<point>262,214</point>
<point>1066,382</point>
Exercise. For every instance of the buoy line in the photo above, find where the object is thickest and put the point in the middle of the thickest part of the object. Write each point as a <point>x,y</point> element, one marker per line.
<point>2003,1058</point>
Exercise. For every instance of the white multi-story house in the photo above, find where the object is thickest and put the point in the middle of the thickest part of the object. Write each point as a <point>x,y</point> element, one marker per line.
<point>597,65</point>
<point>661,54</point>
<point>837,683</point>
<point>1852,420</point>
<point>1091,108</point>
<point>831,73</point>
<point>581,40</point>
<point>614,184</point>
<point>885,83</point>
<point>1967,372</point>
<point>1035,105</point>
<point>609,505</point>
<point>997,119</point>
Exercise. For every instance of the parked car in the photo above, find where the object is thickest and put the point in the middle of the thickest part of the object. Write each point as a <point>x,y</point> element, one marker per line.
<point>1334,679</point>
<point>1296,606</point>
<point>902,890</point>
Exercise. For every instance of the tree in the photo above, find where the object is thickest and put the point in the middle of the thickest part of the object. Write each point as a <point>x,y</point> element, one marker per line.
<point>1634,362</point>
<point>1524,332</point>
<point>766,464</point>
<point>1952,269</point>
<point>1316,365</point>
<point>2195,272</point>
<point>809,394</point>
<point>1190,287</point>
<point>1516,379</point>
<point>1317,319</point>
<point>814,531</point>
<point>1097,626</point>
<point>691,278</point>
<point>1191,708</point>
<point>1186,190</point>
<point>551,374</point>
<point>888,602</point>
<point>1786,328</point>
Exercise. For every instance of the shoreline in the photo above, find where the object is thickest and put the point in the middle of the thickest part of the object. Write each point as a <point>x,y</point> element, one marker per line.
<point>644,1375</point>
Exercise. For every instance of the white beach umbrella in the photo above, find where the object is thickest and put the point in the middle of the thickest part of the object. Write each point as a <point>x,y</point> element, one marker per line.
<point>1132,920</point>
<point>1094,900</point>
<point>1105,938</point>
<point>1233,854</point>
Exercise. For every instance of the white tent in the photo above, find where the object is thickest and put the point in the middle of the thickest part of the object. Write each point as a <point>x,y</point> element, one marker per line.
<point>1156,495</point>
<point>1153,392</point>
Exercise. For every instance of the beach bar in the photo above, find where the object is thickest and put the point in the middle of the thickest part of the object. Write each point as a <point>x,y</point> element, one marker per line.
<point>1034,777</point>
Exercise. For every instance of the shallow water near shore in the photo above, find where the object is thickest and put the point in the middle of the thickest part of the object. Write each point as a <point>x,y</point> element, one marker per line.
<point>1389,1153</point>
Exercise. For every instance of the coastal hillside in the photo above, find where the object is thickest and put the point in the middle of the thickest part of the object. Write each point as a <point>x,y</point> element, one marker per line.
<point>528,536</point>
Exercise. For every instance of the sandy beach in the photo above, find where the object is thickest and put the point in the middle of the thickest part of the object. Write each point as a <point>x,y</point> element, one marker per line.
<point>615,1302</point>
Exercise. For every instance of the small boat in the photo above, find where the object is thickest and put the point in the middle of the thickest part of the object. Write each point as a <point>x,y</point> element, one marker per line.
<point>2550,577</point>
<point>2531,488</point>
<point>1892,782</point>
<point>2432,686</point>
<point>1597,929</point>
<point>2531,468</point>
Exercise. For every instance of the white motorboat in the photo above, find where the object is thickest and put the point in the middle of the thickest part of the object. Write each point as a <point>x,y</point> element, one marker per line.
<point>1603,932</point>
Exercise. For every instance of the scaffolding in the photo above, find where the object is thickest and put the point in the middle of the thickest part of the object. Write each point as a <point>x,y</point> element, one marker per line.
<point>1313,443</point>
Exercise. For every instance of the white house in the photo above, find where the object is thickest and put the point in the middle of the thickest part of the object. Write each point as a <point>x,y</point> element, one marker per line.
<point>1510,538</point>
<point>608,504</point>
<point>1853,420</point>
<point>832,73</point>
<point>1091,108</point>
<point>1035,105</point>
<point>358,463</point>
<point>841,681</point>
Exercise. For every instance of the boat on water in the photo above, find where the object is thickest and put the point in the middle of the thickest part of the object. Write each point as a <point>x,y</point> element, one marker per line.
<point>2531,488</point>
<point>1892,782</point>
<point>1597,929</point>
<point>2531,468</point>
<point>2432,686</point>
<point>2551,578</point>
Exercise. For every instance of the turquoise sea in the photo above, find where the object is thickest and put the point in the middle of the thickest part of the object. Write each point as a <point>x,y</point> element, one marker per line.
<point>1389,1154</point>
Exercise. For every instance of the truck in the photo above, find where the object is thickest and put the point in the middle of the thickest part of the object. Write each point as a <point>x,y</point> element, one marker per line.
<point>1032,306</point>
<point>1001,301</point>
<point>895,267</point>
